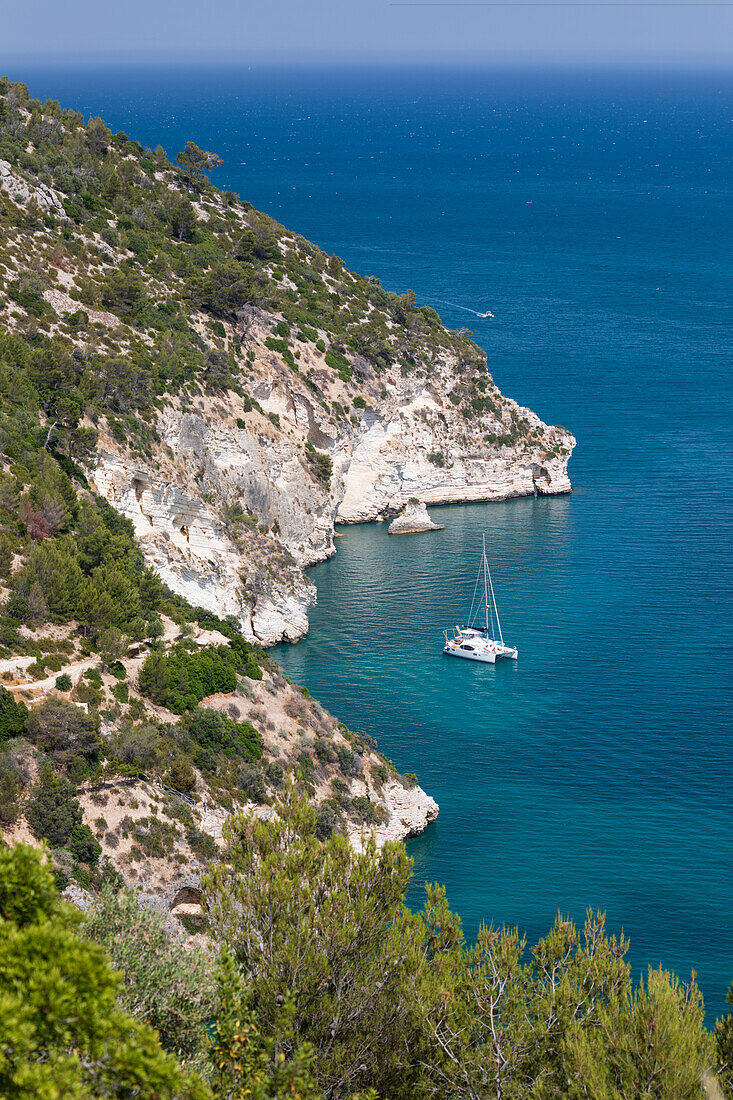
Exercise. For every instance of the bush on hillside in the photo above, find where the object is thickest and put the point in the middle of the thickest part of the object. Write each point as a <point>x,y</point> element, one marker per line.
<point>214,733</point>
<point>64,1033</point>
<point>179,680</point>
<point>84,845</point>
<point>10,789</point>
<point>64,731</point>
<point>170,988</point>
<point>52,810</point>
<point>13,716</point>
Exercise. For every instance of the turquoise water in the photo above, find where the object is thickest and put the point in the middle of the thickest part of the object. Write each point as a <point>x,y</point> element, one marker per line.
<point>592,213</point>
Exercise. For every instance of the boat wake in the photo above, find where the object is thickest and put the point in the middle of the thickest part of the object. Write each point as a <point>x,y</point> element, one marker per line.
<point>456,305</point>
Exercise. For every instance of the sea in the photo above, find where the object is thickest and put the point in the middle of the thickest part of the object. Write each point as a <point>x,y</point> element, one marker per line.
<point>590,211</point>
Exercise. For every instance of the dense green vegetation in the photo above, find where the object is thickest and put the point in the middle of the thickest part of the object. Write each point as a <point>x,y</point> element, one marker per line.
<point>152,243</point>
<point>62,1032</point>
<point>179,680</point>
<point>114,188</point>
<point>323,985</point>
<point>399,1002</point>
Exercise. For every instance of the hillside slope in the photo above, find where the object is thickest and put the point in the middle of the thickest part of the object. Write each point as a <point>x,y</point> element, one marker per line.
<point>246,391</point>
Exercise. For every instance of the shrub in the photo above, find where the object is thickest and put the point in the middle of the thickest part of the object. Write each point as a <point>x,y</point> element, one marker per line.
<point>517,1024</point>
<point>121,693</point>
<point>201,844</point>
<point>179,680</point>
<point>327,820</point>
<point>84,844</point>
<point>10,788</point>
<point>340,364</point>
<point>64,730</point>
<point>63,682</point>
<point>223,289</point>
<point>136,751</point>
<point>724,1041</point>
<point>251,782</point>
<point>366,812</point>
<point>123,292</point>
<point>64,1033</point>
<point>155,837</point>
<point>275,772</point>
<point>252,668</point>
<point>320,463</point>
<point>13,716</point>
<point>181,776</point>
<point>349,762</point>
<point>379,774</point>
<point>52,810</point>
<point>324,751</point>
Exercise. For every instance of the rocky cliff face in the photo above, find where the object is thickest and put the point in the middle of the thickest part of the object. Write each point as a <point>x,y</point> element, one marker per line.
<point>231,507</point>
<point>315,397</point>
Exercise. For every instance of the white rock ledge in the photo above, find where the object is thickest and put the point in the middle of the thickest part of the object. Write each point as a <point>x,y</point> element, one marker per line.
<point>410,812</point>
<point>413,520</point>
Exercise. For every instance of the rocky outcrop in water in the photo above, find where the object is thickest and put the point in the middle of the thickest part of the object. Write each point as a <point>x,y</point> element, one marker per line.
<point>413,520</point>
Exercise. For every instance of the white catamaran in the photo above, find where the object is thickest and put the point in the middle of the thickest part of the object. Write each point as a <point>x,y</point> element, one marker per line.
<point>477,643</point>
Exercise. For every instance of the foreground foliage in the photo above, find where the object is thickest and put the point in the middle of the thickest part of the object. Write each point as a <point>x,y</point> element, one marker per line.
<point>327,987</point>
<point>62,1033</point>
<point>172,990</point>
<point>398,1002</point>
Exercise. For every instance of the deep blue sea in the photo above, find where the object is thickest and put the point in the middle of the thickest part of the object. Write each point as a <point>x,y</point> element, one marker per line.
<point>591,212</point>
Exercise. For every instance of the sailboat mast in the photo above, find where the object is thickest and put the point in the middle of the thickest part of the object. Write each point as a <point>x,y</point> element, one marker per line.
<point>496,611</point>
<point>485,565</point>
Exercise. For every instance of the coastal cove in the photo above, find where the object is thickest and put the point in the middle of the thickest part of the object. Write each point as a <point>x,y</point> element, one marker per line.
<point>568,778</point>
<point>591,216</point>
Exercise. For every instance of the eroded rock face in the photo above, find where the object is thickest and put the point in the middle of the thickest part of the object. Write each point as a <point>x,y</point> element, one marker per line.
<point>396,452</point>
<point>22,192</point>
<point>413,521</point>
<point>410,812</point>
<point>243,494</point>
<point>188,545</point>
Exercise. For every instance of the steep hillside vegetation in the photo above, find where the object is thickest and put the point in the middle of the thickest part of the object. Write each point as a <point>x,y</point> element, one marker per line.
<point>132,722</point>
<point>229,387</point>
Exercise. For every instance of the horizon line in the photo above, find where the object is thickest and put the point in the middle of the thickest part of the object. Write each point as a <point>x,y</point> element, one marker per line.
<point>294,59</point>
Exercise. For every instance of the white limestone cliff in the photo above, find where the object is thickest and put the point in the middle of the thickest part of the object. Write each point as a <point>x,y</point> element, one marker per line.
<point>231,507</point>
<point>410,810</point>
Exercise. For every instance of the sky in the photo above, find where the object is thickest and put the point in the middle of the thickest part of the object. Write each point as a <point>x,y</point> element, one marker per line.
<point>251,31</point>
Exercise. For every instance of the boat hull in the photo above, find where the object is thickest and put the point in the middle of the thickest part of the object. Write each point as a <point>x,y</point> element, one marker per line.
<point>485,658</point>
